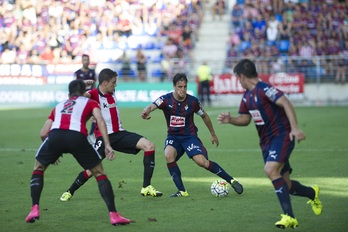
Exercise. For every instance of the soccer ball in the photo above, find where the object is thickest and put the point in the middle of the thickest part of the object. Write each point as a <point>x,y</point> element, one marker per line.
<point>220,188</point>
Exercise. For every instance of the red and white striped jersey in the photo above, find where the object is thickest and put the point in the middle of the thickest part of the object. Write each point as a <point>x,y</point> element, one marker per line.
<point>109,109</point>
<point>72,114</point>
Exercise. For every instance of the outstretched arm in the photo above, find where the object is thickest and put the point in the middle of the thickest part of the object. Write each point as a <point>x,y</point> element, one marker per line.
<point>147,110</point>
<point>207,122</point>
<point>240,120</point>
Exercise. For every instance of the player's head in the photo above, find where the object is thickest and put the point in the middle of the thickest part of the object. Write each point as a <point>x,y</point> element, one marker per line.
<point>85,60</point>
<point>107,80</point>
<point>245,67</point>
<point>77,88</point>
<point>180,86</point>
<point>179,77</point>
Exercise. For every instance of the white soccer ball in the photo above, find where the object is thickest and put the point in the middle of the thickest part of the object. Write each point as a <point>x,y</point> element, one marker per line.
<point>220,188</point>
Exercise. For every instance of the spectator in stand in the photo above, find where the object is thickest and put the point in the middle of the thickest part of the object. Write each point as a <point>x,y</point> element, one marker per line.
<point>141,64</point>
<point>218,9</point>
<point>8,56</point>
<point>272,29</point>
<point>237,16</point>
<point>284,28</point>
<point>259,23</point>
<point>47,56</point>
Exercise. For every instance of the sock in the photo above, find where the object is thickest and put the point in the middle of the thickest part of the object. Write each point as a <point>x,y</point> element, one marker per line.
<point>175,173</point>
<point>36,186</point>
<point>219,171</point>
<point>297,189</point>
<point>106,192</point>
<point>80,180</point>
<point>92,128</point>
<point>282,191</point>
<point>149,166</point>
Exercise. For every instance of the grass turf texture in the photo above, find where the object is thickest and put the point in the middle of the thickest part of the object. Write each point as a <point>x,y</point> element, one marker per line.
<point>320,159</point>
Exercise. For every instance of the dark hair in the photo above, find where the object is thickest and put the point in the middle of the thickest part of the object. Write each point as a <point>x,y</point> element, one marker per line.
<point>77,87</point>
<point>106,75</point>
<point>179,77</point>
<point>245,67</point>
<point>85,55</point>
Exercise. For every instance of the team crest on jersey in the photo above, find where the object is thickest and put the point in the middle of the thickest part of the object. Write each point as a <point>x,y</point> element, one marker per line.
<point>177,121</point>
<point>158,101</point>
<point>186,107</point>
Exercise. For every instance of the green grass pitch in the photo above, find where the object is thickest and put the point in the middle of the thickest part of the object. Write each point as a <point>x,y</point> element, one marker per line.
<point>321,159</point>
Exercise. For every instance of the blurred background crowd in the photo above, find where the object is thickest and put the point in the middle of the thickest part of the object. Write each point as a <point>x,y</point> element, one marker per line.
<point>157,31</point>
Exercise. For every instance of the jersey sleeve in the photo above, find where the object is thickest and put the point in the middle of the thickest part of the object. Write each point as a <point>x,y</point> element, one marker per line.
<point>51,116</point>
<point>273,93</point>
<point>159,102</point>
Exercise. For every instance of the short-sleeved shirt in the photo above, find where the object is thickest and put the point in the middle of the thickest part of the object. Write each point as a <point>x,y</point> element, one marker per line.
<point>180,115</point>
<point>270,119</point>
<point>89,75</point>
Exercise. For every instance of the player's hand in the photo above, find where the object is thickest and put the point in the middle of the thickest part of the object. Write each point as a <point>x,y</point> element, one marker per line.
<point>224,118</point>
<point>89,82</point>
<point>145,115</point>
<point>298,134</point>
<point>214,140</point>
<point>110,155</point>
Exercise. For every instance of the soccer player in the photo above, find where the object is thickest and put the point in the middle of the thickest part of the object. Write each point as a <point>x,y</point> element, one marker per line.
<point>87,74</point>
<point>120,139</point>
<point>276,123</point>
<point>65,132</point>
<point>179,109</point>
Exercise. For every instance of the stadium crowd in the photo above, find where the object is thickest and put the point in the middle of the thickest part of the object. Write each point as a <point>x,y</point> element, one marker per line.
<point>60,31</point>
<point>298,29</point>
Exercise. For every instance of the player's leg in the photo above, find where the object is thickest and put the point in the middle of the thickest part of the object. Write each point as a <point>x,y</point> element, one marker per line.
<point>44,158</point>
<point>106,191</point>
<point>312,193</point>
<point>149,165</point>
<point>273,170</point>
<point>173,152</point>
<point>216,169</point>
<point>36,187</point>
<point>84,175</point>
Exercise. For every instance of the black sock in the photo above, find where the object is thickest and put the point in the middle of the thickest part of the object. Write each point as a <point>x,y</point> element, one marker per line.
<point>106,192</point>
<point>36,186</point>
<point>80,180</point>
<point>149,166</point>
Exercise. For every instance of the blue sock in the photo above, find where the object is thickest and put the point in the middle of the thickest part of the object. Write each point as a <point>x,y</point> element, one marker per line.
<point>297,189</point>
<point>282,191</point>
<point>175,173</point>
<point>219,171</point>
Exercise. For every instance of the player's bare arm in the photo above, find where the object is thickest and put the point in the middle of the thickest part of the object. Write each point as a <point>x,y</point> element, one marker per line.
<point>290,113</point>
<point>147,111</point>
<point>240,120</point>
<point>46,129</point>
<point>207,122</point>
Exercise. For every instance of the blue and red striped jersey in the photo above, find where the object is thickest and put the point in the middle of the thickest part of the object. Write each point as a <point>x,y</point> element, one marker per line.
<point>180,115</point>
<point>270,119</point>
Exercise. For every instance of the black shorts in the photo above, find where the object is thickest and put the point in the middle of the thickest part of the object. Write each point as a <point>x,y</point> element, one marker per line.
<point>122,141</point>
<point>67,141</point>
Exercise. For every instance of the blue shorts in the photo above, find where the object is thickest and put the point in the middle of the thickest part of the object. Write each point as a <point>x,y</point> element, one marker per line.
<point>192,145</point>
<point>279,150</point>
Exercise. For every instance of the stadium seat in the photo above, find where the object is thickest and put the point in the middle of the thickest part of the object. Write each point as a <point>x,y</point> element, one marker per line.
<point>284,45</point>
